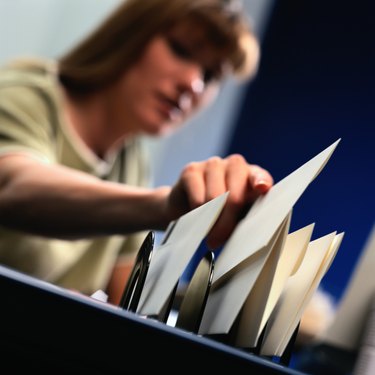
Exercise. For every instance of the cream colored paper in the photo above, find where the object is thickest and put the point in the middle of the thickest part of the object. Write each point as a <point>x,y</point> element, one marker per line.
<point>245,253</point>
<point>266,215</point>
<point>226,299</point>
<point>298,292</point>
<point>325,266</point>
<point>259,305</point>
<point>170,259</point>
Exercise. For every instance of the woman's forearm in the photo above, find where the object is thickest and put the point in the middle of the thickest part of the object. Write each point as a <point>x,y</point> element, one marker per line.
<point>55,201</point>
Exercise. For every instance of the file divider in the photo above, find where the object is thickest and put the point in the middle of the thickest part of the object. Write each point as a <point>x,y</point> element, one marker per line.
<point>191,309</point>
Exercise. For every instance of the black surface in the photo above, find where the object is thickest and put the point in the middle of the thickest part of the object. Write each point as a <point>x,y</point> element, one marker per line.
<point>52,330</point>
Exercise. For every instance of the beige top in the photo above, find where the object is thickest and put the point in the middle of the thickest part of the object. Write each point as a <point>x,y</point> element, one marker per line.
<point>31,121</point>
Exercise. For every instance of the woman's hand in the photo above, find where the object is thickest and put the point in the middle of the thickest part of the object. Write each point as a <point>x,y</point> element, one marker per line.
<point>202,181</point>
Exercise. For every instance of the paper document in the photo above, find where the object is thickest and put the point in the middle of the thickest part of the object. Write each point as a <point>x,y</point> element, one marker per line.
<point>171,258</point>
<point>275,274</point>
<point>246,252</point>
<point>298,293</point>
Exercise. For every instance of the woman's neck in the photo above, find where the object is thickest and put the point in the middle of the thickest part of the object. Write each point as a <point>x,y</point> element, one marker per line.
<point>90,120</point>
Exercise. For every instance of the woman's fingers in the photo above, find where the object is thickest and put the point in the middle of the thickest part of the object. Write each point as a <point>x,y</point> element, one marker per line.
<point>245,183</point>
<point>202,181</point>
<point>260,179</point>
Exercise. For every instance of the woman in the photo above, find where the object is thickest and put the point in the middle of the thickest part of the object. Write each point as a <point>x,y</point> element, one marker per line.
<point>74,195</point>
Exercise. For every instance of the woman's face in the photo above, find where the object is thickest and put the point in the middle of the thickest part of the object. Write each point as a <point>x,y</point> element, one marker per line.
<point>176,74</point>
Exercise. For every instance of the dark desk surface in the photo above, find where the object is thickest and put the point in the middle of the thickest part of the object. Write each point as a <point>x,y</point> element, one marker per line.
<point>53,330</point>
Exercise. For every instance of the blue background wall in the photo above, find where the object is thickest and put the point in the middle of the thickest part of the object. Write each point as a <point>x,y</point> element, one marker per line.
<point>316,84</point>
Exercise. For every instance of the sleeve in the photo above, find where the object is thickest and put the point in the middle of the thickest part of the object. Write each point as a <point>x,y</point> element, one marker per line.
<point>26,123</point>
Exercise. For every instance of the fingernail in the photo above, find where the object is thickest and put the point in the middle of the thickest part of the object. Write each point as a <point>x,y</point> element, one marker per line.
<point>262,184</point>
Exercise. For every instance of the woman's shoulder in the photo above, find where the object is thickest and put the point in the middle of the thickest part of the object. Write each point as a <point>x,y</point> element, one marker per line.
<point>29,86</point>
<point>28,71</point>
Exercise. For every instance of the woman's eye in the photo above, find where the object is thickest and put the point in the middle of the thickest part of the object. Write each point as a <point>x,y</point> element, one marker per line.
<point>179,49</point>
<point>211,75</point>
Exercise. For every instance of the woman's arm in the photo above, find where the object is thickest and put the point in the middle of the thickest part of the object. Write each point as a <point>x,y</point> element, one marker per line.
<point>56,201</point>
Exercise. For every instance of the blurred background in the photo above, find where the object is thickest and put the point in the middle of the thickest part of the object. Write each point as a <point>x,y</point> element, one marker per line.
<point>316,84</point>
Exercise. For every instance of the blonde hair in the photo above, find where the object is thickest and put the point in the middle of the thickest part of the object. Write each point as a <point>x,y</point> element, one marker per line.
<point>118,42</point>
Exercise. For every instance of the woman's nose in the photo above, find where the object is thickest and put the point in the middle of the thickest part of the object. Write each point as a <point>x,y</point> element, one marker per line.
<point>197,86</point>
<point>190,94</point>
<point>191,80</point>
